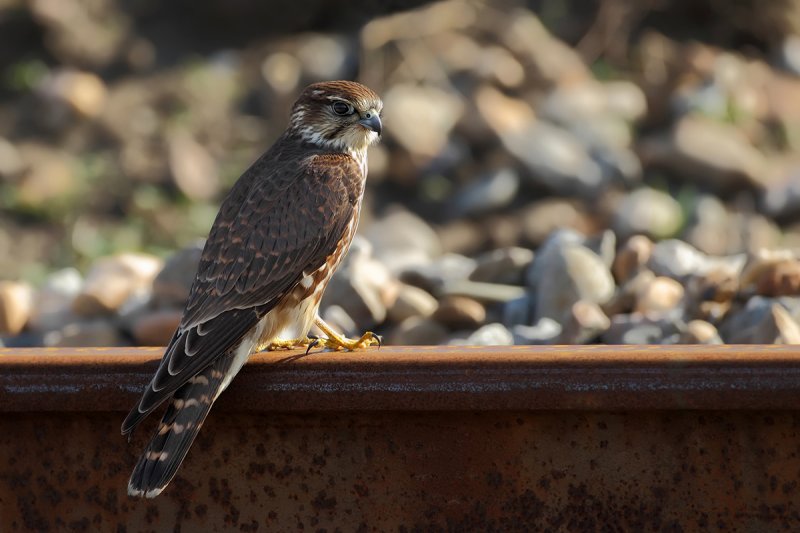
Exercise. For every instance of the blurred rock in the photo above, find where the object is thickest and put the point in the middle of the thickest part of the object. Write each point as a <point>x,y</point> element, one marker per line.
<point>547,58</point>
<point>421,117</point>
<point>790,54</point>
<point>632,257</point>
<point>662,294</point>
<point>156,328</point>
<point>709,152</point>
<point>16,304</point>
<point>89,33</point>
<point>700,332</point>
<point>192,167</point>
<point>709,226</point>
<point>545,331</point>
<point>82,92</point>
<point>49,179</point>
<point>484,292</point>
<point>459,312</point>
<point>772,274</point>
<point>782,198</point>
<point>549,250</point>
<point>417,331</point>
<point>491,335</point>
<point>650,212</point>
<point>362,286</point>
<point>112,280</point>
<point>433,276</point>
<point>504,265</point>
<point>11,162</point>
<point>172,284</point>
<point>762,321</point>
<point>566,274</point>
<point>625,298</point>
<point>637,329</point>
<point>282,72</point>
<point>97,332</point>
<point>412,301</point>
<point>540,219</point>
<point>585,322</point>
<point>324,57</point>
<point>496,190</point>
<point>555,159</point>
<point>676,259</point>
<point>336,317</point>
<point>517,311</point>
<point>402,239</point>
<point>53,301</point>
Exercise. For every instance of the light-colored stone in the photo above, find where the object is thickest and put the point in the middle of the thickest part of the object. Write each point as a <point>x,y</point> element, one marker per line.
<point>421,117</point>
<point>568,274</point>
<point>489,193</point>
<point>483,292</point>
<point>660,295</point>
<point>711,152</point>
<point>491,335</point>
<point>545,331</point>
<point>192,167</point>
<point>700,332</point>
<point>650,212</point>
<point>632,257</point>
<point>53,301</point>
<point>402,239</point>
<point>585,322</point>
<point>442,272</point>
<point>504,265</point>
<point>112,280</point>
<point>11,162</point>
<point>362,286</point>
<point>540,219</point>
<point>412,301</point>
<point>16,304</point>
<point>83,92</point>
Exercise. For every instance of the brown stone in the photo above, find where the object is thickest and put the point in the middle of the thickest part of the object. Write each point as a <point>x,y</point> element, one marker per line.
<point>460,312</point>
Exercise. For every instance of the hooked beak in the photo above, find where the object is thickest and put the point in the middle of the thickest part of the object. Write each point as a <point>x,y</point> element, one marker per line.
<point>372,121</point>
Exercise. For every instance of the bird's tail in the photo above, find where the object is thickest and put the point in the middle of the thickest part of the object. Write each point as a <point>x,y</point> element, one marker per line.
<point>178,428</point>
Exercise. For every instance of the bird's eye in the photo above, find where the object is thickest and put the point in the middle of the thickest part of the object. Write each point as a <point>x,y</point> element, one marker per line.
<point>342,109</point>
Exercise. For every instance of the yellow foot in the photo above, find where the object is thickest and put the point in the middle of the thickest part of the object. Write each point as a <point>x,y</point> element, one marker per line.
<point>343,343</point>
<point>280,344</point>
<point>335,341</point>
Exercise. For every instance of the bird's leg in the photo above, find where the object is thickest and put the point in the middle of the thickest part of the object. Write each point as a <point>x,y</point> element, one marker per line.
<point>285,344</point>
<point>336,341</point>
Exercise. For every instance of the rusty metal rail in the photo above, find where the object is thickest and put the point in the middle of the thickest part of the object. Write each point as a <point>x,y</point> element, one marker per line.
<point>516,438</point>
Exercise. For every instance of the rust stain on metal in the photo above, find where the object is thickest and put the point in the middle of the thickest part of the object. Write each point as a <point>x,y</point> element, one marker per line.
<point>563,438</point>
<point>429,378</point>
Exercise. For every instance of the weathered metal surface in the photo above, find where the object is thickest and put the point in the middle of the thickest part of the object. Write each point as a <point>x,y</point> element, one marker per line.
<point>419,439</point>
<point>429,378</point>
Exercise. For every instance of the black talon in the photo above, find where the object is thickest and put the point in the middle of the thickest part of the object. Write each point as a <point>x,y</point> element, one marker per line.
<point>378,338</point>
<point>312,343</point>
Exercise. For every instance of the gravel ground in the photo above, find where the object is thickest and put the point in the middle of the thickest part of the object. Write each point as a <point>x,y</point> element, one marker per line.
<point>524,192</point>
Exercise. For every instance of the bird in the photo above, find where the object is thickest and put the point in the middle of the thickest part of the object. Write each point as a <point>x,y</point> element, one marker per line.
<point>281,232</point>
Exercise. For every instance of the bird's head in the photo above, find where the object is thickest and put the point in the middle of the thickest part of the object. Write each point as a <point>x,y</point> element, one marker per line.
<point>338,115</point>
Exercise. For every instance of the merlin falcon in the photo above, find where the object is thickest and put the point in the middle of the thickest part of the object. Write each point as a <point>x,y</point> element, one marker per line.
<point>279,236</point>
